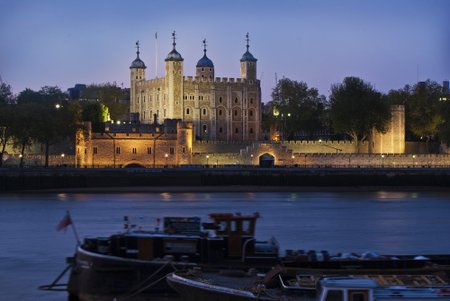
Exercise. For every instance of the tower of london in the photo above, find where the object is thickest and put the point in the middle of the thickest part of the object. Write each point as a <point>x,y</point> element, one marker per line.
<point>220,108</point>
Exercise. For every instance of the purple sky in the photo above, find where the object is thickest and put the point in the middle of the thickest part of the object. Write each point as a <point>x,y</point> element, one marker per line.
<point>387,42</point>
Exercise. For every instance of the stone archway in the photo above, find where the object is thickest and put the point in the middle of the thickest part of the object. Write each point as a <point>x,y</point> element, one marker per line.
<point>133,165</point>
<point>266,160</point>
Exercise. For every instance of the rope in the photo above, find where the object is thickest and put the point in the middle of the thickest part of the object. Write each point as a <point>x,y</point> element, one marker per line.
<point>139,290</point>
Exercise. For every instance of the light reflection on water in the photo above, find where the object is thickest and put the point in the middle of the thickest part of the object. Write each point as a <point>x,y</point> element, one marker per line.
<point>32,252</point>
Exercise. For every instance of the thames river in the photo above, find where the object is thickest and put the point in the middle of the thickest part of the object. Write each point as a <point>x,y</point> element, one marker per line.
<point>33,253</point>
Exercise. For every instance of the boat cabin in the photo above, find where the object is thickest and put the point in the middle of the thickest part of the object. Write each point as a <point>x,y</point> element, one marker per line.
<point>228,236</point>
<point>365,289</point>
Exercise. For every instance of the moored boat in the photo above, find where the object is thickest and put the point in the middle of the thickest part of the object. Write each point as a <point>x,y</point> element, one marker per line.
<point>134,263</point>
<point>214,286</point>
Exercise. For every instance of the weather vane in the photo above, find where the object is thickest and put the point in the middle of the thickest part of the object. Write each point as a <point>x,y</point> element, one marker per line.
<point>204,46</point>
<point>173,37</point>
<point>248,40</point>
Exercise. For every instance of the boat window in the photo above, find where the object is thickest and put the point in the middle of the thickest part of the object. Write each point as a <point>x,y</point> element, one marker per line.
<point>334,295</point>
<point>233,226</point>
<point>246,227</point>
<point>223,226</point>
<point>357,295</point>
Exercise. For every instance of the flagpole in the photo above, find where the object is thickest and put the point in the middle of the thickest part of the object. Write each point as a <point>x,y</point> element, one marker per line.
<point>156,54</point>
<point>74,229</point>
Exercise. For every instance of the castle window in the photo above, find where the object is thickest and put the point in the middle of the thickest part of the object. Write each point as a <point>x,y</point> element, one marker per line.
<point>164,112</point>
<point>235,112</point>
<point>204,111</point>
<point>236,130</point>
<point>85,151</point>
<point>118,150</point>
<point>203,69</point>
<point>251,130</point>
<point>134,150</point>
<point>95,150</point>
<point>220,130</point>
<point>171,151</point>
<point>136,77</point>
<point>220,99</point>
<point>250,113</point>
<point>149,150</point>
<point>187,111</point>
<point>183,150</point>
<point>205,128</point>
<point>251,100</point>
<point>220,112</point>
<point>236,100</point>
<point>185,96</point>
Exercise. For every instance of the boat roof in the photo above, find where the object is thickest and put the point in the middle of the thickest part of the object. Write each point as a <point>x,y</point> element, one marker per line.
<point>348,282</point>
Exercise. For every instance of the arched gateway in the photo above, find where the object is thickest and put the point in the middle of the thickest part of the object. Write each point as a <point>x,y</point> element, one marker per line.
<point>266,160</point>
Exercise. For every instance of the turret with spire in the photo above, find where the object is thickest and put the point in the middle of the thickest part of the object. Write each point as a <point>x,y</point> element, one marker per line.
<point>137,74</point>
<point>205,67</point>
<point>173,106</point>
<point>248,63</point>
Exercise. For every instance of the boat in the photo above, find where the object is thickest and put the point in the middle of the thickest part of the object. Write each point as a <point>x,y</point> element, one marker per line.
<point>134,263</point>
<point>200,286</point>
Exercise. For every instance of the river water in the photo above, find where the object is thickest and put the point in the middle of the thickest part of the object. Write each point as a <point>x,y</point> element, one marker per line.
<point>32,252</point>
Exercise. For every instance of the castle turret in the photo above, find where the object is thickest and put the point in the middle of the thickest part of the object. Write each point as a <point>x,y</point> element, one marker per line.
<point>248,63</point>
<point>173,104</point>
<point>205,67</point>
<point>137,74</point>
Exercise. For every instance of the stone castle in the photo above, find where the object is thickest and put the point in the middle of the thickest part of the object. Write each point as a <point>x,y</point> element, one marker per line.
<point>181,120</point>
<point>224,109</point>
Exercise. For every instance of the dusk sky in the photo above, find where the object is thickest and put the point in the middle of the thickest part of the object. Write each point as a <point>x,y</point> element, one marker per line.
<point>388,43</point>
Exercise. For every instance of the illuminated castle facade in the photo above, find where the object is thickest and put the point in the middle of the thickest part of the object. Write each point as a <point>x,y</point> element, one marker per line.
<point>220,109</point>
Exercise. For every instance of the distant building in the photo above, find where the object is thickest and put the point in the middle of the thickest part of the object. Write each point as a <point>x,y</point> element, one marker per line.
<point>223,109</point>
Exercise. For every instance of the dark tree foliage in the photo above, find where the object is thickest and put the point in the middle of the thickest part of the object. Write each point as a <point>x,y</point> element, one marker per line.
<point>95,112</point>
<point>6,115</point>
<point>425,114</point>
<point>297,108</point>
<point>23,126</point>
<point>111,96</point>
<point>356,108</point>
<point>53,118</point>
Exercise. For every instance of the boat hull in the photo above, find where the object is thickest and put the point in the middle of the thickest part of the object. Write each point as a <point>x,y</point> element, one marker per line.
<point>101,277</point>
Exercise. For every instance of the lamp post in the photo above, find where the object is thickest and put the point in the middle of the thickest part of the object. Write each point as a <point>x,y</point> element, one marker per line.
<point>207,160</point>
<point>62,158</point>
<point>166,156</point>
<point>382,161</point>
<point>251,159</point>
<point>414,160</point>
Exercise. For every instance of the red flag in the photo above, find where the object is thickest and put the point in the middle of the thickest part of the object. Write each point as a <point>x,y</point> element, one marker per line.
<point>64,223</point>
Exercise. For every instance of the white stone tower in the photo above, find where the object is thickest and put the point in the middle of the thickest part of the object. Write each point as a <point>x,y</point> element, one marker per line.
<point>137,74</point>
<point>248,64</point>
<point>173,101</point>
<point>205,67</point>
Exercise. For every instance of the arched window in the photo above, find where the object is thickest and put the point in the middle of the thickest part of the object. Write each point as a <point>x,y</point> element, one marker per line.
<point>236,100</point>
<point>236,130</point>
<point>204,111</point>
<point>250,113</point>
<point>235,112</point>
<point>187,111</point>
<point>220,99</point>
<point>220,130</point>
<point>251,130</point>
<point>220,112</point>
<point>251,100</point>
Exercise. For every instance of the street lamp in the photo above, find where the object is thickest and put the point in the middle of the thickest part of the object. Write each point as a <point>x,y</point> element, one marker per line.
<point>166,155</point>
<point>251,159</point>
<point>382,160</point>
<point>58,106</point>
<point>207,160</point>
<point>414,160</point>
<point>62,159</point>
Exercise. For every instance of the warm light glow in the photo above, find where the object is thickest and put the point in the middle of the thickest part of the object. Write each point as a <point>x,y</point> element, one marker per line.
<point>62,155</point>
<point>118,122</point>
<point>57,106</point>
<point>207,156</point>
<point>276,112</point>
<point>251,155</point>
<point>20,156</point>
<point>166,155</point>
<point>382,156</point>
<point>414,156</point>
<point>320,140</point>
<point>293,157</point>
<point>289,114</point>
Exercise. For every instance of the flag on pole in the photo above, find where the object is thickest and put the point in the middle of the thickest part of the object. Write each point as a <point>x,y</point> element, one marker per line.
<point>64,223</point>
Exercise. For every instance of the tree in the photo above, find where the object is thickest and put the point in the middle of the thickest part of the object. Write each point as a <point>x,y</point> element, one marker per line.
<point>423,111</point>
<point>54,118</point>
<point>22,126</point>
<point>356,108</point>
<point>5,93</point>
<point>298,108</point>
<point>111,96</point>
<point>6,116</point>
